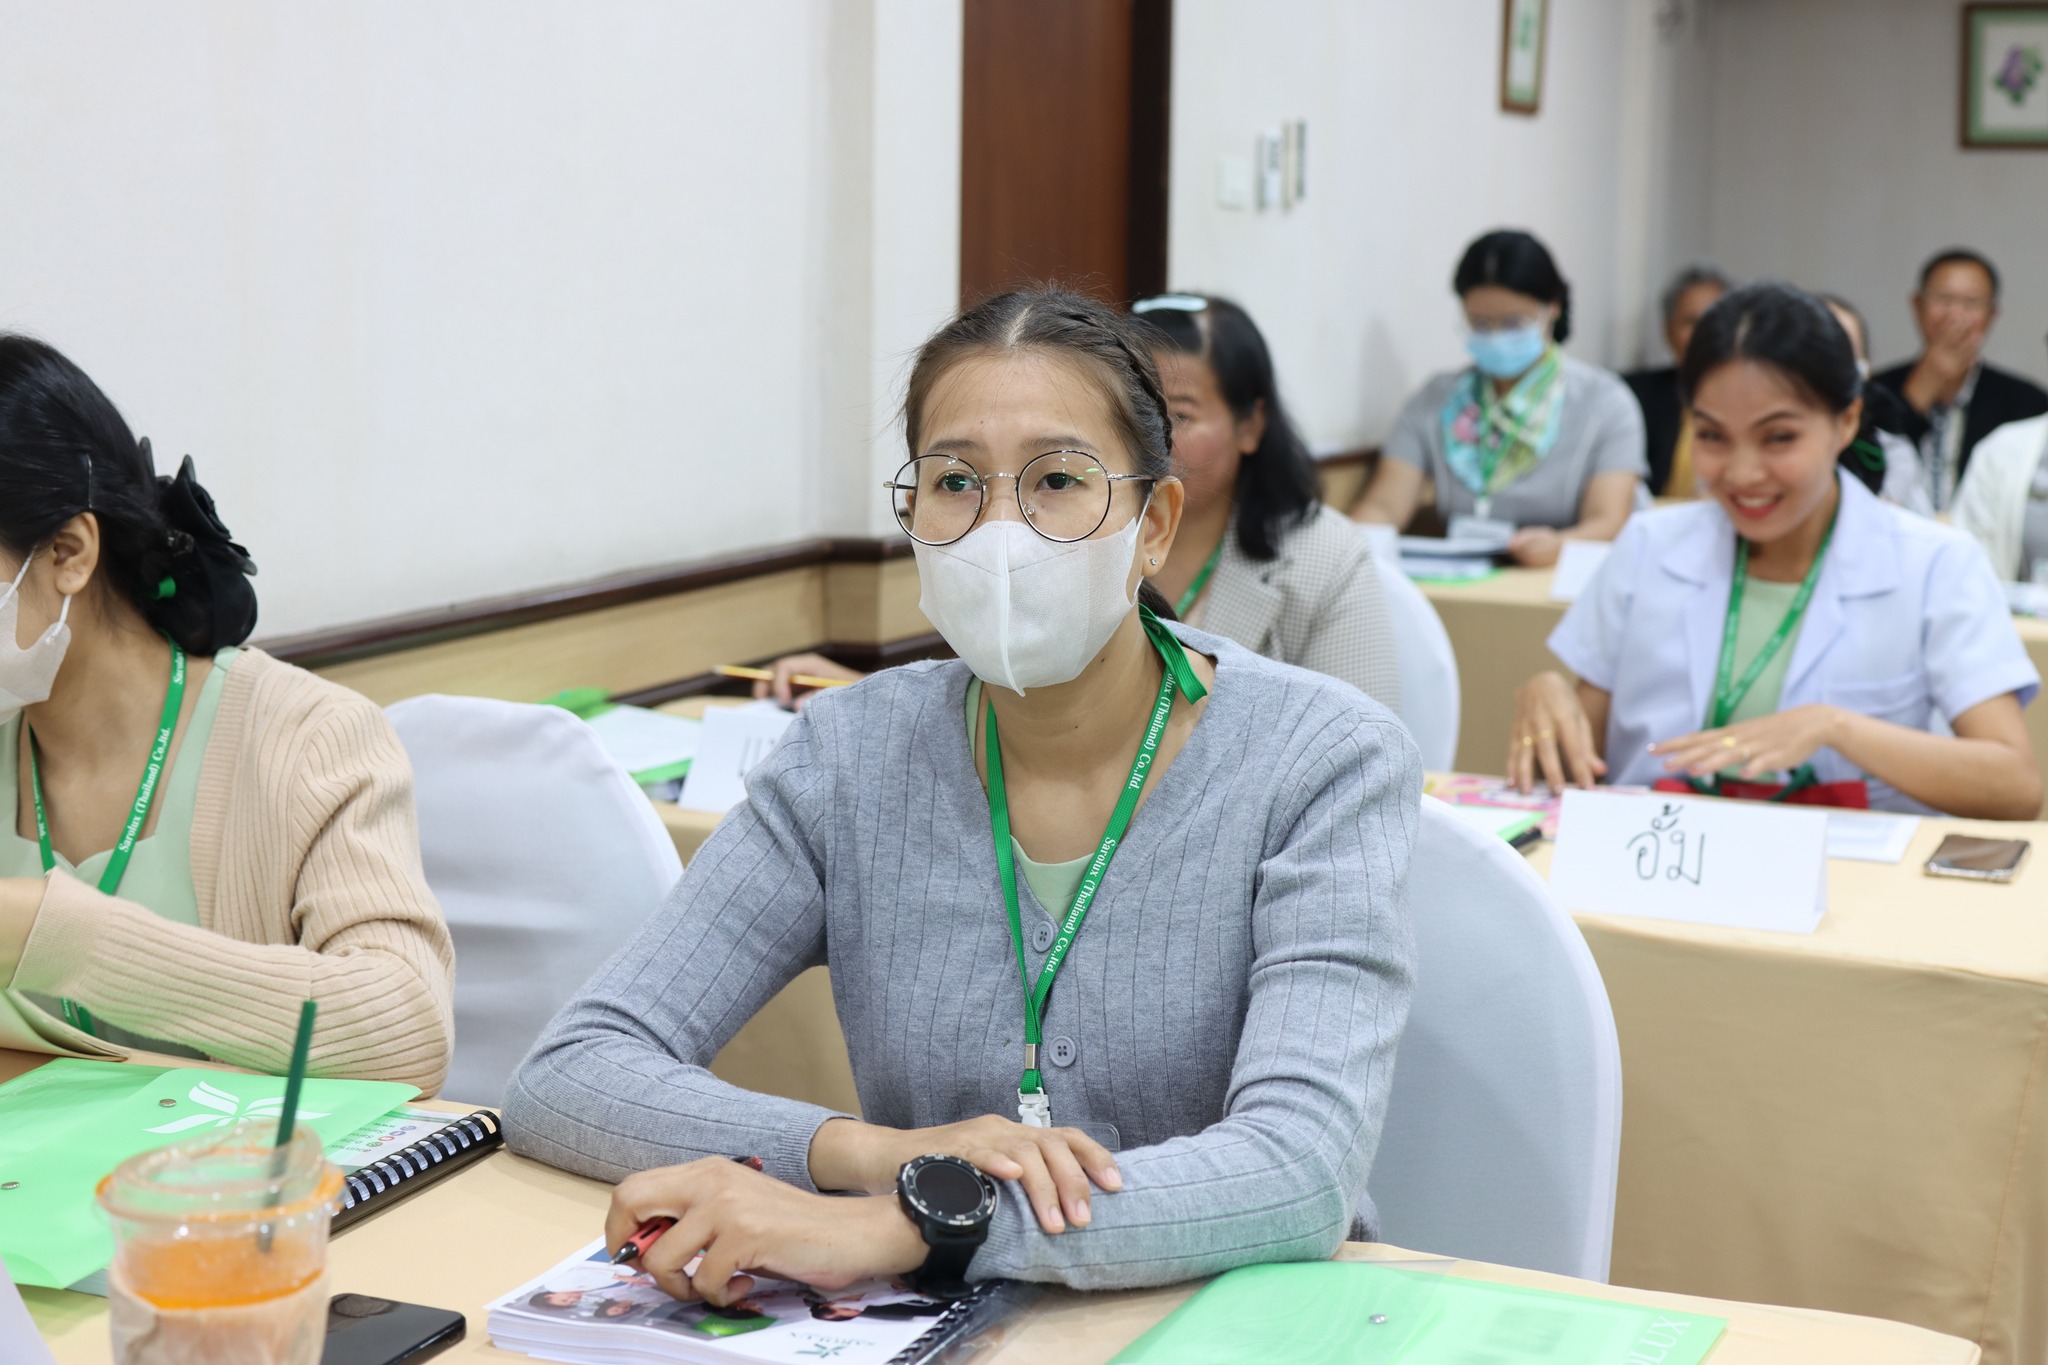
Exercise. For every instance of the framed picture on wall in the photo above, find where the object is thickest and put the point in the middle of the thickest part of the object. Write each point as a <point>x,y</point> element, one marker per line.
<point>2005,75</point>
<point>1522,24</point>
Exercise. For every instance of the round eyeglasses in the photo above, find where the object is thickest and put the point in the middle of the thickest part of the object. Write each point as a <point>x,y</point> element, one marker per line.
<point>1063,494</point>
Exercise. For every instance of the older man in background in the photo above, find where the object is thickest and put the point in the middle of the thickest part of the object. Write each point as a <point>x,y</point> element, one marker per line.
<point>1952,398</point>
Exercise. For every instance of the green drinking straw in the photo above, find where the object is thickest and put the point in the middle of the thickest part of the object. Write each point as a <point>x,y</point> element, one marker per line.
<point>294,1079</point>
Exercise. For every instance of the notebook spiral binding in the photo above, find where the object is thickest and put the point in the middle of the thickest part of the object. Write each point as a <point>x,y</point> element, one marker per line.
<point>444,1150</point>
<point>963,1331</point>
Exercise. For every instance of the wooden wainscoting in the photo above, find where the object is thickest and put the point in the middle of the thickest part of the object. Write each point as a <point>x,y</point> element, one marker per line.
<point>647,635</point>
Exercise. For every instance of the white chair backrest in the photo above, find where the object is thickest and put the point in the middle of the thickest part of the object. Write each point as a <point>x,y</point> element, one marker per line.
<point>1429,670</point>
<point>1503,1130</point>
<point>545,857</point>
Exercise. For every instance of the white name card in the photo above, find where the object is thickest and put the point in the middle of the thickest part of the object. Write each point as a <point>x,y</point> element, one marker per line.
<point>20,1343</point>
<point>1742,864</point>
<point>733,740</point>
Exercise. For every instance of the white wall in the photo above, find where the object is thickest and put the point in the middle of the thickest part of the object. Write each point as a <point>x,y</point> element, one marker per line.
<point>1835,164</point>
<point>1409,158</point>
<point>459,299</point>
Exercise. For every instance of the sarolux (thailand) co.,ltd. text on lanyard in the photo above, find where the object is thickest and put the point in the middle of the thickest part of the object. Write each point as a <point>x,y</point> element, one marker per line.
<point>1034,1106</point>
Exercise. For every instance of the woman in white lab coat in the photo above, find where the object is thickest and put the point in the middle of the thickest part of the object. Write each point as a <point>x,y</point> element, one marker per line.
<point>1789,628</point>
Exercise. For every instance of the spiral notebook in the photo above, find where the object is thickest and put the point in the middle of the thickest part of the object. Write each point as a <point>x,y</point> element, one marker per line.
<point>404,1152</point>
<point>587,1309</point>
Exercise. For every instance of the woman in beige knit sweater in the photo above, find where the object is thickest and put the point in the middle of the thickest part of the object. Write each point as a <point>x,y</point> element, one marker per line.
<point>194,837</point>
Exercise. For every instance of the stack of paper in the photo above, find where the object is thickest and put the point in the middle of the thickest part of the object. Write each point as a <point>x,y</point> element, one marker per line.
<point>734,739</point>
<point>653,747</point>
<point>1870,836</point>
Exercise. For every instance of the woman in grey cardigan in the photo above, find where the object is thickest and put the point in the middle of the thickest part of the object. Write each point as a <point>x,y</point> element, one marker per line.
<point>1204,1088</point>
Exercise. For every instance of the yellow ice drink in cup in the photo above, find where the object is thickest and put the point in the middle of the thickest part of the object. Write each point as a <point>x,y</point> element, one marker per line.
<point>220,1249</point>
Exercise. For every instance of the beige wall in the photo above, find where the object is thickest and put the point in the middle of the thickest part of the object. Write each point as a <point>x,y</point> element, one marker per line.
<point>1409,157</point>
<point>456,300</point>
<point>1834,163</point>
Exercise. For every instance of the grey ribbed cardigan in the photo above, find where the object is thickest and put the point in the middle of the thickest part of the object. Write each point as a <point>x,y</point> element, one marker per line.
<point>1233,1000</point>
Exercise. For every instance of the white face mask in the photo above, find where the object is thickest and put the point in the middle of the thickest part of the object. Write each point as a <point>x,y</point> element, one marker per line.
<point>26,675</point>
<point>1024,611</point>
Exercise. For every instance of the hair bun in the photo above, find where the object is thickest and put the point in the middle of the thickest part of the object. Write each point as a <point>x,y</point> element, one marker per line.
<point>211,570</point>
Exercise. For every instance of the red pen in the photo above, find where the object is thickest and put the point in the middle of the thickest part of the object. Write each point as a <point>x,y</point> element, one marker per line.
<point>649,1232</point>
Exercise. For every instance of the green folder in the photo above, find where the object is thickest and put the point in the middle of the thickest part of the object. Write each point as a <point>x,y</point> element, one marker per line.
<point>69,1122</point>
<point>1361,1313</point>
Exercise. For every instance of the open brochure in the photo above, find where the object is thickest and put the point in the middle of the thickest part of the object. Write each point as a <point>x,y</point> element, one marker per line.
<point>588,1310</point>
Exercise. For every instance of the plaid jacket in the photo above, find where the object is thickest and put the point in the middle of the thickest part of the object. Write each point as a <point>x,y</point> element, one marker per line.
<point>1317,604</point>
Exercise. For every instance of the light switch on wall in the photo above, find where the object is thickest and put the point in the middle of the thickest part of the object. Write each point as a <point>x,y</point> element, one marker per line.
<point>1272,157</point>
<point>1294,183</point>
<point>1233,181</point>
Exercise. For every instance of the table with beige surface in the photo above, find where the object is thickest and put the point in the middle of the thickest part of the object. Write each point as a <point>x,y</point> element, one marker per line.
<point>485,1230</point>
<point>1498,626</point>
<point>1850,1119</point>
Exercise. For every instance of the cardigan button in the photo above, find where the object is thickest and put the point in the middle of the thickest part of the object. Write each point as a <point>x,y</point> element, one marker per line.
<point>1063,1051</point>
<point>1042,936</point>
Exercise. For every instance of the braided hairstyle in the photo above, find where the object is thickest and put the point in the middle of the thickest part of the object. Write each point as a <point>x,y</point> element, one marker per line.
<point>1111,348</point>
<point>65,450</point>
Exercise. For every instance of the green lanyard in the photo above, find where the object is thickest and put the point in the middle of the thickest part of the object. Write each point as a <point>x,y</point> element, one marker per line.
<point>117,861</point>
<point>1727,697</point>
<point>1202,576</point>
<point>1034,1108</point>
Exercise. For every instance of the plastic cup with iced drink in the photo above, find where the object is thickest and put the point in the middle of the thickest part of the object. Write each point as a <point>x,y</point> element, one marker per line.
<point>220,1249</point>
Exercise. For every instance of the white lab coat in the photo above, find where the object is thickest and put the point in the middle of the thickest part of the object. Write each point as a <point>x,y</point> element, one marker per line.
<point>1907,624</point>
<point>1991,502</point>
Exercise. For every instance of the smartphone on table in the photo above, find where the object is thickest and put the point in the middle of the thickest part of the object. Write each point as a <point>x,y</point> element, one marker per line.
<point>362,1330</point>
<point>1978,858</point>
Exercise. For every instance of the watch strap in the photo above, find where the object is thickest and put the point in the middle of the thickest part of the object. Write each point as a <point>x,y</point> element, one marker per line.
<point>945,1264</point>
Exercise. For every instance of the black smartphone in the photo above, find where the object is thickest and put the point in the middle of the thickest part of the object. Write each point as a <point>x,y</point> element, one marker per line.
<point>362,1330</point>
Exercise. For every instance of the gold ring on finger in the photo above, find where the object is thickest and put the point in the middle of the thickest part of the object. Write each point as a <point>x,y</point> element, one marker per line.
<point>1528,741</point>
<point>1727,741</point>
<point>1546,734</point>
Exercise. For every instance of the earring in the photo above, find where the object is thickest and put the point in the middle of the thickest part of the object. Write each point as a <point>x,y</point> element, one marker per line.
<point>1155,563</point>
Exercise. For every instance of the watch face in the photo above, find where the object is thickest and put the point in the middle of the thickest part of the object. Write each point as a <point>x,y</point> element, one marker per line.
<point>949,1190</point>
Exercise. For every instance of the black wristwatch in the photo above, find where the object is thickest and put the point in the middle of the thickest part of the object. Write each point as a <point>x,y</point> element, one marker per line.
<point>952,1204</point>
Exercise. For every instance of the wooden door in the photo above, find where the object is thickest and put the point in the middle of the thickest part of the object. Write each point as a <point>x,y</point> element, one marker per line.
<point>1064,145</point>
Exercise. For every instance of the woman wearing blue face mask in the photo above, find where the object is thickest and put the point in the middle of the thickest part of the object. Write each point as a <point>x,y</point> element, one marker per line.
<point>1525,443</point>
<point>1100,872</point>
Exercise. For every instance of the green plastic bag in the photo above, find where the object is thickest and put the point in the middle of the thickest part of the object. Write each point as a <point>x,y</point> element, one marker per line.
<point>67,1123</point>
<point>1359,1313</point>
